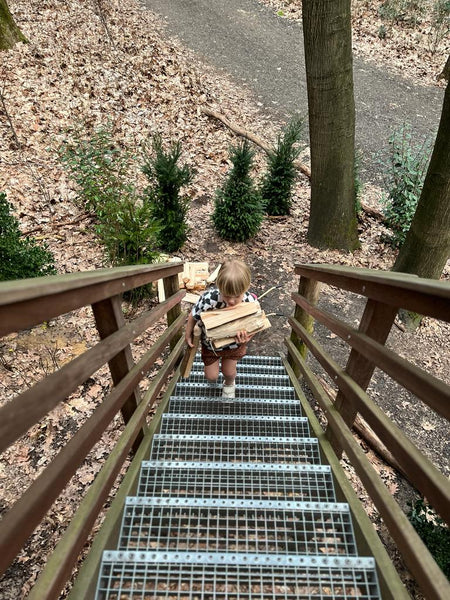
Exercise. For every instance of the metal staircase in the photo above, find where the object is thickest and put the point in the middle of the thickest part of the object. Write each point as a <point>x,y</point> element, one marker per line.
<point>234,503</point>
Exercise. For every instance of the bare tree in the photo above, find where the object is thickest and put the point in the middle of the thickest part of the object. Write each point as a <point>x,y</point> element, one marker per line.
<point>427,245</point>
<point>329,77</point>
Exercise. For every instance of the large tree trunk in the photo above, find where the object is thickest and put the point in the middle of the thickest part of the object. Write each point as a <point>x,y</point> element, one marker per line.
<point>329,77</point>
<point>9,32</point>
<point>427,244</point>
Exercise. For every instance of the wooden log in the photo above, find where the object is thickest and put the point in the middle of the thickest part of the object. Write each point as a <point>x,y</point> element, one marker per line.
<point>188,359</point>
<point>249,323</point>
<point>251,137</point>
<point>216,318</point>
<point>225,341</point>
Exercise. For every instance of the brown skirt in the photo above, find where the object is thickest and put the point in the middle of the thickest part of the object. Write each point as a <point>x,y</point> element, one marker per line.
<point>209,357</point>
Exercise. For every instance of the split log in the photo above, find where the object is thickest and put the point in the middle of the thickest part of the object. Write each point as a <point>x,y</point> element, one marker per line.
<point>188,359</point>
<point>215,318</point>
<point>251,137</point>
<point>222,326</point>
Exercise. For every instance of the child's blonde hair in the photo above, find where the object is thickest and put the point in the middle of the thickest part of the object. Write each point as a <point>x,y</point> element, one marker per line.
<point>233,278</point>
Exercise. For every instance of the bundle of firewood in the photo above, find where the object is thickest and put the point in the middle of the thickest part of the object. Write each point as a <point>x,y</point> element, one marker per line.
<point>222,326</point>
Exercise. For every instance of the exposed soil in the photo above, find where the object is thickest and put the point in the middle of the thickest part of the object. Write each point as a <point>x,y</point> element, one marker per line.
<point>77,70</point>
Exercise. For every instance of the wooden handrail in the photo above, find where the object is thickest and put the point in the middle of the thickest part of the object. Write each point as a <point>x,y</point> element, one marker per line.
<point>385,293</point>
<point>428,388</point>
<point>402,290</point>
<point>416,555</point>
<point>29,302</point>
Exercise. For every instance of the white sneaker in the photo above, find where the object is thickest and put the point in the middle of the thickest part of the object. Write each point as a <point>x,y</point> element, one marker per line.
<point>228,391</point>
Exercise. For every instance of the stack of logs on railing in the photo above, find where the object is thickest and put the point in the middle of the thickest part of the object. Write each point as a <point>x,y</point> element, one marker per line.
<point>221,327</point>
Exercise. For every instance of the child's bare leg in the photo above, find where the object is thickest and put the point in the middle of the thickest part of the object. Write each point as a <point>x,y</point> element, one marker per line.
<point>229,370</point>
<point>212,371</point>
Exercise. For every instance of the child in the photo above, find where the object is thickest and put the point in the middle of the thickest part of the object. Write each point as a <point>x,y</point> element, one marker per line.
<point>232,283</point>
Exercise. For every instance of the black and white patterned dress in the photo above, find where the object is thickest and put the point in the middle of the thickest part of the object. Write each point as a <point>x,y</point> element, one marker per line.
<point>212,300</point>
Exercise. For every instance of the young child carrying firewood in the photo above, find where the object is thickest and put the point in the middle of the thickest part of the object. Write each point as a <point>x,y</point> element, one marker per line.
<point>233,282</point>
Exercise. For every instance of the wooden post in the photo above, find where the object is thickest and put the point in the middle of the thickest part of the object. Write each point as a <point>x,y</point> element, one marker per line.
<point>171,286</point>
<point>109,318</point>
<point>376,323</point>
<point>310,290</point>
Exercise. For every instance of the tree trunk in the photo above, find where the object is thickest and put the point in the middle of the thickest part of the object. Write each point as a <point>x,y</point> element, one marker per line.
<point>427,244</point>
<point>9,32</point>
<point>329,77</point>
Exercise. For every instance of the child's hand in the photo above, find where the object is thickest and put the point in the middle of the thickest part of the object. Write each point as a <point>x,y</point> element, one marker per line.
<point>242,337</point>
<point>188,339</point>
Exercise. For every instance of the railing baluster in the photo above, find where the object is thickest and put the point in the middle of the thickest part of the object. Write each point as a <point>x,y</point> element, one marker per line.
<point>172,286</point>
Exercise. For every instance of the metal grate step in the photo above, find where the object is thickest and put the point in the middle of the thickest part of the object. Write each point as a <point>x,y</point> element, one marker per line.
<point>241,406</point>
<point>270,379</point>
<point>219,576</point>
<point>232,425</point>
<point>205,525</point>
<point>246,481</point>
<point>262,369</point>
<point>257,359</point>
<point>200,390</point>
<point>215,448</point>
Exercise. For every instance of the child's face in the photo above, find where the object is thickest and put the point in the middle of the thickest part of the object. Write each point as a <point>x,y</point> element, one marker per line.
<point>232,300</point>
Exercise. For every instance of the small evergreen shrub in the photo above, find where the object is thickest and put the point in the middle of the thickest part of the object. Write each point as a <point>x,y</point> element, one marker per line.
<point>276,189</point>
<point>167,206</point>
<point>20,257</point>
<point>407,11</point>
<point>124,222</point>
<point>404,174</point>
<point>440,23</point>
<point>434,533</point>
<point>238,211</point>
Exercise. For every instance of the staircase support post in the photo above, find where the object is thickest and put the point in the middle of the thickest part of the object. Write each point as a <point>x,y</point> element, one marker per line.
<point>109,318</point>
<point>376,323</point>
<point>310,290</point>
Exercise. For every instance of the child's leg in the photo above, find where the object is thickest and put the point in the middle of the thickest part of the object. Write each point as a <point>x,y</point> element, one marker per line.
<point>212,371</point>
<point>229,370</point>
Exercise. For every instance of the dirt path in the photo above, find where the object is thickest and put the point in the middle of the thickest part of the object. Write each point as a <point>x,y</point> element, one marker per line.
<point>265,53</point>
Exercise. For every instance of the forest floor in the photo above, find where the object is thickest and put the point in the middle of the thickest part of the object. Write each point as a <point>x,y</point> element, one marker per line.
<point>90,64</point>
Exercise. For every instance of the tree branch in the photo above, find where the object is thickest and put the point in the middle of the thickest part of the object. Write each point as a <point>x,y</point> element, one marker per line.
<point>250,136</point>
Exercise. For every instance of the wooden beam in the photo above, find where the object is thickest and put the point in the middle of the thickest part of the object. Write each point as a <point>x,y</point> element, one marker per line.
<point>368,542</point>
<point>27,302</point>
<point>421,471</point>
<point>29,510</point>
<point>109,318</point>
<point>17,416</point>
<point>60,564</point>
<point>424,296</point>
<point>310,290</point>
<point>434,392</point>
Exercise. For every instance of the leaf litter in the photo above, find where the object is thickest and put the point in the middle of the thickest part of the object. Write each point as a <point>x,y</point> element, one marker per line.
<point>95,63</point>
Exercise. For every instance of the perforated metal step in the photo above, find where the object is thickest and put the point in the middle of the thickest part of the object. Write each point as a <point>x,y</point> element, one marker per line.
<point>208,525</point>
<point>243,367</point>
<point>240,406</point>
<point>232,425</point>
<point>216,448</point>
<point>247,481</point>
<point>234,503</point>
<point>228,576</point>
<point>200,390</point>
<point>245,378</point>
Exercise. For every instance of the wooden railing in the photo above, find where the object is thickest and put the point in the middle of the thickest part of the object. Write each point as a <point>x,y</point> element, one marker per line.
<point>385,293</point>
<point>24,304</point>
